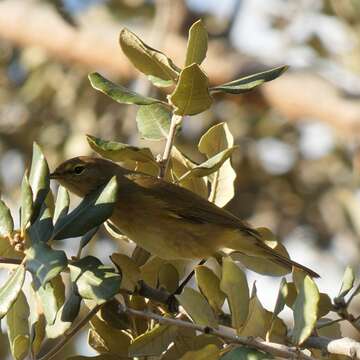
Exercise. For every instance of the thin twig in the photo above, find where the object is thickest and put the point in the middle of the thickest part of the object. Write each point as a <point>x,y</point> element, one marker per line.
<point>4,260</point>
<point>175,122</point>
<point>225,333</point>
<point>69,334</point>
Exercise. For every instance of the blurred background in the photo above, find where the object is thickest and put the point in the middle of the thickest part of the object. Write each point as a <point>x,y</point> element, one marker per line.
<point>298,164</point>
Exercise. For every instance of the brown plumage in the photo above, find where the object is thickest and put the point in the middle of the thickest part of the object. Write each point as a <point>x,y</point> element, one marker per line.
<point>165,219</point>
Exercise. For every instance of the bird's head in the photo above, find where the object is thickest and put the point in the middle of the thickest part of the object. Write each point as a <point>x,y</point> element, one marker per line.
<point>82,175</point>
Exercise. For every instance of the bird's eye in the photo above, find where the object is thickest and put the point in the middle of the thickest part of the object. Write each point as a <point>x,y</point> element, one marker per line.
<point>79,169</point>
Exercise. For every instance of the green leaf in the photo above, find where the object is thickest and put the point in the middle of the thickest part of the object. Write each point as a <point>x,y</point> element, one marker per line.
<point>153,121</point>
<point>45,263</point>
<point>99,357</point>
<point>250,82</point>
<point>179,166</point>
<point>291,294</point>
<point>39,179</point>
<point>197,308</point>
<point>281,298</point>
<point>62,203</point>
<point>26,203</point>
<point>211,165</point>
<point>106,339</point>
<point>347,282</point>
<point>234,285</point>
<point>37,332</point>
<point>18,327</point>
<point>258,319</point>
<point>130,272</point>
<point>52,297</point>
<point>153,342</point>
<point>168,278</point>
<point>191,95</point>
<point>10,290</point>
<point>244,353</point>
<point>325,305</point>
<point>146,59</point>
<point>277,332</point>
<point>209,352</point>
<point>94,281</point>
<point>87,237</point>
<point>160,82</point>
<point>117,92</point>
<point>305,310</point>
<point>42,228</point>
<point>6,221</point>
<point>215,140</point>
<point>120,152</point>
<point>197,44</point>
<point>209,285</point>
<point>94,209</point>
<point>65,316</point>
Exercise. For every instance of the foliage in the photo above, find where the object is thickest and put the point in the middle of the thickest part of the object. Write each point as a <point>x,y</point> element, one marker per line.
<point>121,320</point>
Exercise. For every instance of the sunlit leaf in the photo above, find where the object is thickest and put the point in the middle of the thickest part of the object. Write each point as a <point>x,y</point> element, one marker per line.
<point>153,121</point>
<point>10,290</point>
<point>18,327</point>
<point>99,357</point>
<point>197,44</point>
<point>26,203</point>
<point>45,263</point>
<point>94,281</point>
<point>215,140</point>
<point>197,307</point>
<point>146,59</point>
<point>258,319</point>
<point>234,285</point>
<point>62,203</point>
<point>129,270</point>
<point>153,342</point>
<point>6,221</point>
<point>120,152</point>
<point>305,310</point>
<point>52,297</point>
<point>37,332</point>
<point>209,352</point>
<point>117,92</point>
<point>347,282</point>
<point>209,285</point>
<point>106,339</point>
<point>160,82</point>
<point>211,165</point>
<point>281,298</point>
<point>39,179</point>
<point>248,83</point>
<point>179,166</point>
<point>94,209</point>
<point>191,95</point>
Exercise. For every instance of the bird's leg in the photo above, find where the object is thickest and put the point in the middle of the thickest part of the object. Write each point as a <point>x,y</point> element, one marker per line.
<point>172,302</point>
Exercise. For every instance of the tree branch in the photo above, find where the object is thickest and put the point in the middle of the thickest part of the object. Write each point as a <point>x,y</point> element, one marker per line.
<point>225,333</point>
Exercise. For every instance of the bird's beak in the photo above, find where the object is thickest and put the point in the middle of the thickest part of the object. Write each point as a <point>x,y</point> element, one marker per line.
<point>54,175</point>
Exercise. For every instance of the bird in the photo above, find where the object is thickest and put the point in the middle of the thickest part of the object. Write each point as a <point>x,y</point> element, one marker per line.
<point>166,219</point>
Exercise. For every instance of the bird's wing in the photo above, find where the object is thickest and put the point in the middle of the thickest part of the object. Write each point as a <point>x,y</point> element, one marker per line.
<point>185,204</point>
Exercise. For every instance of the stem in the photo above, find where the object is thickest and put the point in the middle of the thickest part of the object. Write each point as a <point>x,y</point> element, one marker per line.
<point>225,333</point>
<point>175,122</point>
<point>69,334</point>
<point>4,260</point>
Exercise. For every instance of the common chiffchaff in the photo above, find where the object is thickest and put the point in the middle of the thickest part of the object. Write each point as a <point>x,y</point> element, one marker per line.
<point>165,219</point>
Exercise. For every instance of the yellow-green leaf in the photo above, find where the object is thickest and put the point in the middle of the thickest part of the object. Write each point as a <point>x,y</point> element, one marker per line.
<point>209,352</point>
<point>305,310</point>
<point>129,270</point>
<point>215,140</point>
<point>347,282</point>
<point>277,332</point>
<point>197,308</point>
<point>234,285</point>
<point>26,203</point>
<point>18,327</point>
<point>153,121</point>
<point>325,305</point>
<point>6,221</point>
<point>62,203</point>
<point>146,59</point>
<point>153,342</point>
<point>168,278</point>
<point>191,95</point>
<point>117,92</point>
<point>197,44</point>
<point>209,285</point>
<point>10,290</point>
